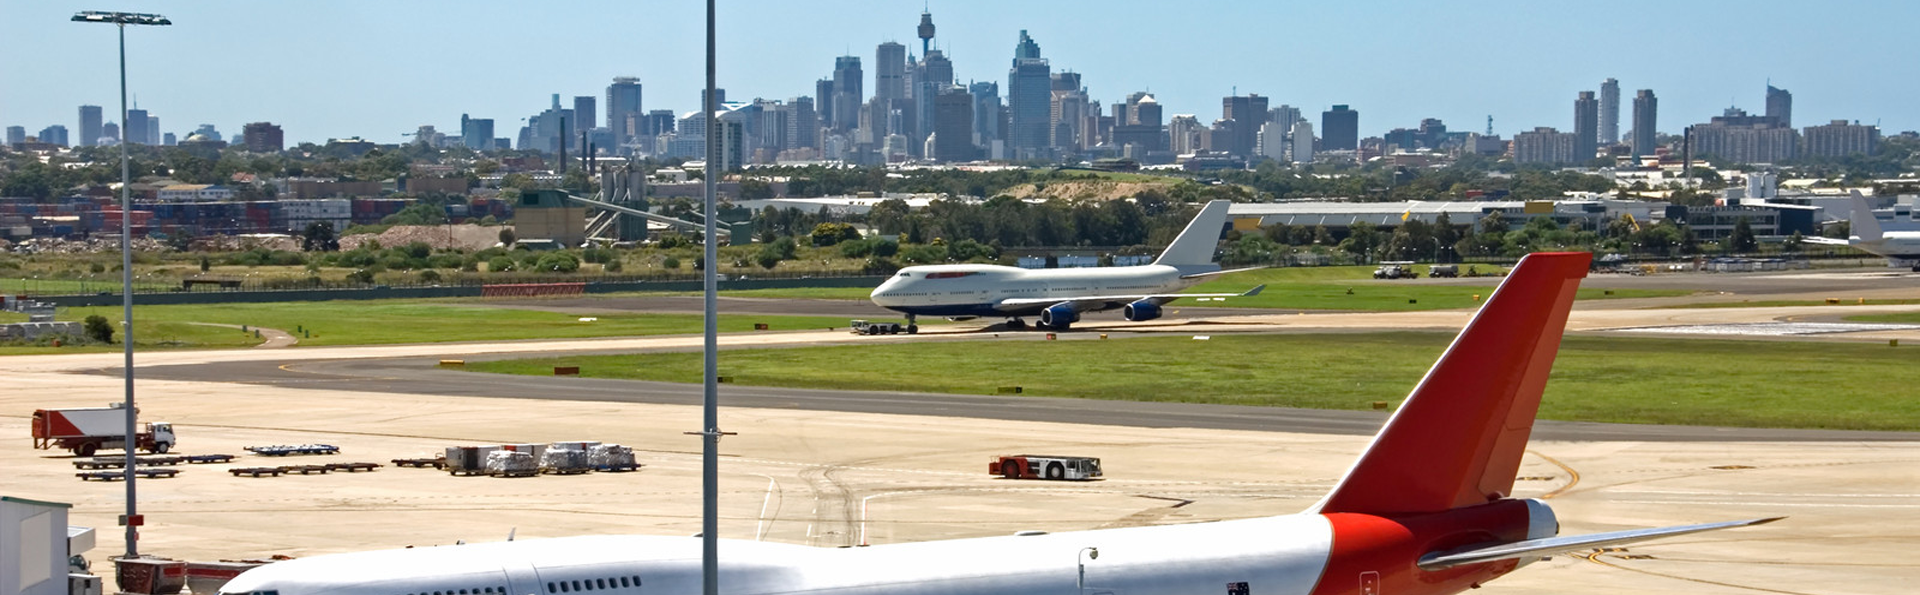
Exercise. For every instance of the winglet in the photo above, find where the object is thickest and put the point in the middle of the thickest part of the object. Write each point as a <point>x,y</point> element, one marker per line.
<point>1863,224</point>
<point>1255,291</point>
<point>1195,245</point>
<point>1458,438</point>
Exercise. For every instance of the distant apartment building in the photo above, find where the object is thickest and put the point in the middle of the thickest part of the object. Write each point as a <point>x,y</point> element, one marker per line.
<point>194,193</point>
<point>1740,138</point>
<point>55,135</point>
<point>1646,123</point>
<point>1247,113</point>
<point>1838,138</point>
<point>1609,112</point>
<point>476,133</point>
<point>1586,127</point>
<point>263,137</point>
<point>953,126</point>
<point>1780,106</point>
<point>1546,146</point>
<point>1302,151</point>
<point>90,131</point>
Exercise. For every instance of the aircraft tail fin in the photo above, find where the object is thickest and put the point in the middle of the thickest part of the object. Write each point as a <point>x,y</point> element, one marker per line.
<point>1458,439</point>
<point>1195,244</point>
<point>1864,225</point>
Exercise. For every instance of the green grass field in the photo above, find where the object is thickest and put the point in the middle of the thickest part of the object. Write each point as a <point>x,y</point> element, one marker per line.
<point>1906,318</point>
<point>393,321</point>
<point>1797,303</point>
<point>107,282</point>
<point>1602,379</point>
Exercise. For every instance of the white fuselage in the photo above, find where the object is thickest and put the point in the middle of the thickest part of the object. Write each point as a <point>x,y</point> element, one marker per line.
<point>1274,556</point>
<point>983,289</point>
<point>1901,248</point>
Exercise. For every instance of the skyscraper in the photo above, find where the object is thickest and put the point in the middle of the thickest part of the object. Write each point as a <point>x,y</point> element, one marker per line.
<point>1340,129</point>
<point>1609,112</point>
<point>890,71</point>
<point>931,77</point>
<point>1302,141</point>
<point>56,134</point>
<point>953,125</point>
<point>263,137</point>
<point>624,110</point>
<point>1646,122</point>
<point>89,125</point>
<point>1068,111</point>
<point>1029,101</point>
<point>823,103</point>
<point>586,115</point>
<point>136,132</point>
<point>110,131</point>
<point>16,135</point>
<point>987,112</point>
<point>1248,113</point>
<point>1780,105</point>
<point>476,133</point>
<point>847,92</point>
<point>153,131</point>
<point>803,126</point>
<point>1586,127</point>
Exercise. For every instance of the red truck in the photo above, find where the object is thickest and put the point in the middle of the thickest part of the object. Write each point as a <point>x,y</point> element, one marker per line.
<point>86,431</point>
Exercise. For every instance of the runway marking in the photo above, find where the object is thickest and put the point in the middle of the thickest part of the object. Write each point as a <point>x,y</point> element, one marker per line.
<point>759,528</point>
<point>1766,504</point>
<point>1574,475</point>
<point>1773,494</point>
<point>1594,557</point>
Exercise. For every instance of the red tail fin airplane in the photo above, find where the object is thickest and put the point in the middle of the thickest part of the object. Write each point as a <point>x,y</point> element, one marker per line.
<point>1427,510</point>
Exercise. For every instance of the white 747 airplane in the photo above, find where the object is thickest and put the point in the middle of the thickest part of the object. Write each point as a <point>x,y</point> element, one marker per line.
<point>1425,511</point>
<point>1902,248</point>
<point>1058,296</point>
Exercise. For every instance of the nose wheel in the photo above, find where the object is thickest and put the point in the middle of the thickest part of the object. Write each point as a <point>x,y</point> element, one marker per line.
<point>912,328</point>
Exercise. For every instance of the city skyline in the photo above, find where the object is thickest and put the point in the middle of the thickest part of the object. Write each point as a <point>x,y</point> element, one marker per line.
<point>191,74</point>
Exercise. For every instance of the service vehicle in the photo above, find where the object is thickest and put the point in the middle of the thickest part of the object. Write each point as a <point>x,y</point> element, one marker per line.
<point>84,431</point>
<point>1443,270</point>
<point>1396,270</point>
<point>1045,467</point>
<point>863,327</point>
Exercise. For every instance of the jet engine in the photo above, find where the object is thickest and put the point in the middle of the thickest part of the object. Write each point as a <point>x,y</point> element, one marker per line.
<point>1059,315</point>
<point>1141,310</point>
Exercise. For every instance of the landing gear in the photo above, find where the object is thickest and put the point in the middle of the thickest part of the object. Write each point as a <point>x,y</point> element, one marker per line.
<point>1016,324</point>
<point>912,329</point>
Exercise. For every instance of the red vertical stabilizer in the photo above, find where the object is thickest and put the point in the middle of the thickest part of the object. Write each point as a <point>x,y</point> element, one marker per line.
<point>1458,438</point>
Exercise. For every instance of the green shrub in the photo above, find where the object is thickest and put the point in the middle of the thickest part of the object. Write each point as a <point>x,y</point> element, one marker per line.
<point>99,329</point>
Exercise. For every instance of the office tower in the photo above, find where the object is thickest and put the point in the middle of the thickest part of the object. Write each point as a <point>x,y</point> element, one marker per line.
<point>1136,123</point>
<point>823,103</point>
<point>1302,141</point>
<point>804,123</point>
<point>1740,138</point>
<point>720,97</point>
<point>1273,140</point>
<point>55,134</point>
<point>1646,121</point>
<point>1839,139</point>
<point>110,132</point>
<point>89,125</point>
<point>207,130</point>
<point>136,132</point>
<point>1183,133</point>
<point>1780,105</point>
<point>1545,146</point>
<point>1609,132</point>
<point>1247,114</point>
<point>1586,127</point>
<point>1340,129</point>
<point>153,132</point>
<point>890,71</point>
<point>659,122</point>
<point>16,135</point>
<point>476,133</point>
<point>987,113</point>
<point>931,77</point>
<point>953,125</point>
<point>1285,114</point>
<point>624,110</point>
<point>1067,110</point>
<point>586,114</point>
<point>847,92</point>
<point>264,137</point>
<point>1029,101</point>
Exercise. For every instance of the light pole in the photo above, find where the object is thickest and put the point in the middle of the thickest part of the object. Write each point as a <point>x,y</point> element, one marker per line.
<point>1090,553</point>
<point>132,520</point>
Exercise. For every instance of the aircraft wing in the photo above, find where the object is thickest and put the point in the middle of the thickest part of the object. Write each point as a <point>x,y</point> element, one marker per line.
<point>1549,545</point>
<point>1101,302</point>
<point>1826,241</point>
<point>1214,273</point>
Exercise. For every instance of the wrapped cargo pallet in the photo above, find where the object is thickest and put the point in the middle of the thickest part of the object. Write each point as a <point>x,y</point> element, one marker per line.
<point>565,461</point>
<point>507,463</point>
<point>579,445</point>
<point>533,449</point>
<point>612,457</point>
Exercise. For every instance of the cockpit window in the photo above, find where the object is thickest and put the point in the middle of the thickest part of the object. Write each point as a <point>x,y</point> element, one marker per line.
<point>907,275</point>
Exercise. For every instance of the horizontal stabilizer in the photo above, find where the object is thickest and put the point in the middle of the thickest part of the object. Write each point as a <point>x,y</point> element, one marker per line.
<point>1218,273</point>
<point>1551,545</point>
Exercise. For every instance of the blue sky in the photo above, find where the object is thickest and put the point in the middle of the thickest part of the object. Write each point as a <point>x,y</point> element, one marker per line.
<point>380,69</point>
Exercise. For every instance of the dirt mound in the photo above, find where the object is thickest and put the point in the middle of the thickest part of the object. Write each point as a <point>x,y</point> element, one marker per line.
<point>440,237</point>
<point>1085,189</point>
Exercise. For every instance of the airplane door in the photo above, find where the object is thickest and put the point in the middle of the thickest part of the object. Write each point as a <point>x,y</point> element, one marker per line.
<point>523,579</point>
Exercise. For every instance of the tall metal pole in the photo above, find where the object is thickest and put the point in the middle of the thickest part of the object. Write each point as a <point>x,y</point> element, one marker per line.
<point>710,453</point>
<point>132,520</point>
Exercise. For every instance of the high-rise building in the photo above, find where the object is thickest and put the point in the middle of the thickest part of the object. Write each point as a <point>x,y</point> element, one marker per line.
<point>1136,126</point>
<point>1740,138</point>
<point>1839,139</point>
<point>1545,146</point>
<point>625,111</point>
<point>16,135</point>
<point>1247,113</point>
<point>1340,129</point>
<point>847,92</point>
<point>823,103</point>
<point>658,122</point>
<point>1302,141</point>
<point>153,131</point>
<point>988,113</point>
<point>1586,127</point>
<point>476,133</point>
<point>586,114</point>
<point>1609,132</point>
<point>1029,101</point>
<point>263,137</point>
<point>110,132</point>
<point>1646,122</point>
<point>931,77</point>
<point>890,71</point>
<point>953,125</point>
<point>89,125</point>
<point>1183,133</point>
<point>1780,105</point>
<point>207,130</point>
<point>803,126</point>
<point>136,132</point>
<point>55,134</point>
<point>1068,111</point>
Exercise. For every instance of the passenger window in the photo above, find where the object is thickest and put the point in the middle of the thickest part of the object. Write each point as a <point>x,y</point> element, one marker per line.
<point>563,587</point>
<point>577,587</point>
<point>601,582</point>
<point>550,588</point>
<point>623,582</point>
